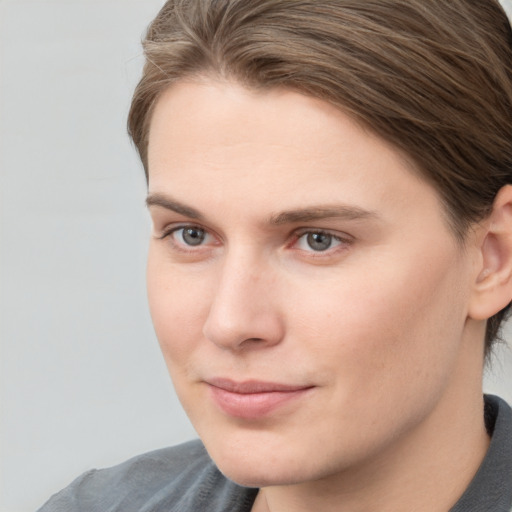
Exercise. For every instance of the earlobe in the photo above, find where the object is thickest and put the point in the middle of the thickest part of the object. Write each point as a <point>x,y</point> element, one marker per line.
<point>492,290</point>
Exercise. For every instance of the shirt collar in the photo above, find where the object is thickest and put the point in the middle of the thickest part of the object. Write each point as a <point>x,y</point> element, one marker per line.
<point>491,488</point>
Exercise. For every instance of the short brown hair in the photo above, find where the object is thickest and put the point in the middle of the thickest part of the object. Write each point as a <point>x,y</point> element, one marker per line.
<point>433,77</point>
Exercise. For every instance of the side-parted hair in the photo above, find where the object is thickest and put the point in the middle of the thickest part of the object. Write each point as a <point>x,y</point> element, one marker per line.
<point>432,77</point>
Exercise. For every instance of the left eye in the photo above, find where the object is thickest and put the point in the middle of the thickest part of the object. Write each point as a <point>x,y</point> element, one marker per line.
<point>190,236</point>
<point>317,241</point>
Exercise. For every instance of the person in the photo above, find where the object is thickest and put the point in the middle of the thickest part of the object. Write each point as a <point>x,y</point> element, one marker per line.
<point>329,183</point>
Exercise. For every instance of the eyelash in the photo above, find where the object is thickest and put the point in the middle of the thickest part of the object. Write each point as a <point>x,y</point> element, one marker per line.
<point>169,232</point>
<point>342,242</point>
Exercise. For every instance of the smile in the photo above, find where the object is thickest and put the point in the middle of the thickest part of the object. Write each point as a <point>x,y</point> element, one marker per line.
<point>252,399</point>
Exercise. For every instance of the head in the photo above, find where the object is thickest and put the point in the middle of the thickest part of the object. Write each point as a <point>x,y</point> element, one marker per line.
<point>327,186</point>
<point>434,79</point>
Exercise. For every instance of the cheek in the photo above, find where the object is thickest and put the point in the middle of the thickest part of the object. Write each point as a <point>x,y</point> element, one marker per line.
<point>392,321</point>
<point>383,341</point>
<point>179,304</point>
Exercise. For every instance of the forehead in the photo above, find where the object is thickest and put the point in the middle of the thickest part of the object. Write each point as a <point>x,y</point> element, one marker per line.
<point>229,114</point>
<point>212,142</point>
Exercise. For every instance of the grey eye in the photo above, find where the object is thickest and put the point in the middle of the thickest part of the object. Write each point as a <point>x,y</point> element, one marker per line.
<point>319,241</point>
<point>193,236</point>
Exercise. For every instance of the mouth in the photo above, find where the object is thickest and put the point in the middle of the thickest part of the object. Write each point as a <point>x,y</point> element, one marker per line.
<point>253,399</point>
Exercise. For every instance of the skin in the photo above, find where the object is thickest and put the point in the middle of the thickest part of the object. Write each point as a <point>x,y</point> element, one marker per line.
<point>383,327</point>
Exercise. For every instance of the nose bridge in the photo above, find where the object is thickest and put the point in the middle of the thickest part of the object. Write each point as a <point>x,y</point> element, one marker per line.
<point>244,310</point>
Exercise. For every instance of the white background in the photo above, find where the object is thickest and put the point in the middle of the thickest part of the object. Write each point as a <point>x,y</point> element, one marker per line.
<point>82,383</point>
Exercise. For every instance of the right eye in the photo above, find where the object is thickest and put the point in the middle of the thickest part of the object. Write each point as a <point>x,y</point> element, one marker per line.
<point>191,236</point>
<point>189,241</point>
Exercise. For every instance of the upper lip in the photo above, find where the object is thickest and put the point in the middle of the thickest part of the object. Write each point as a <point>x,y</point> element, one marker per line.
<point>252,386</point>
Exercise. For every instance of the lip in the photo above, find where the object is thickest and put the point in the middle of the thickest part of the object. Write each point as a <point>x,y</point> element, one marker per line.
<point>253,399</point>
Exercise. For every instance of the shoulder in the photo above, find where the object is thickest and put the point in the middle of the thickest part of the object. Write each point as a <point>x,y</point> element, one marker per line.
<point>178,478</point>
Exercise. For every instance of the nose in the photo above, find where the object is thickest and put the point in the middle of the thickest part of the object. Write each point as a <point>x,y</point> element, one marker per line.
<point>244,312</point>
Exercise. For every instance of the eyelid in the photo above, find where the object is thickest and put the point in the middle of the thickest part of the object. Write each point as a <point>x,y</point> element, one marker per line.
<point>167,234</point>
<point>345,241</point>
<point>172,228</point>
<point>342,237</point>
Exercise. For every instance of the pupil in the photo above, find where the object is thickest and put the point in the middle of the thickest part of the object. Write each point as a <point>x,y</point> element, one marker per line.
<point>193,236</point>
<point>319,241</point>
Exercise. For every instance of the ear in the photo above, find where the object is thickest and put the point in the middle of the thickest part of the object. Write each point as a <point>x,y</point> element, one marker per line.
<point>492,290</point>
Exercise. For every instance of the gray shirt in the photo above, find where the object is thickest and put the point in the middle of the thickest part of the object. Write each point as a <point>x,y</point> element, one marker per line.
<point>185,479</point>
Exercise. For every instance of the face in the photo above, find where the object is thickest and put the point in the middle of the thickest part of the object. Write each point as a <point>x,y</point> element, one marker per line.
<point>307,293</point>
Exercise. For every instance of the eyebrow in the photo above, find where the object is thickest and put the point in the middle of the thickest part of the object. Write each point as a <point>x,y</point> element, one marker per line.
<point>321,212</point>
<point>175,206</point>
<point>308,214</point>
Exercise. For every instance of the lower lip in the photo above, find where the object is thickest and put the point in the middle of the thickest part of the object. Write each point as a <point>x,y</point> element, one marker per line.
<point>252,406</point>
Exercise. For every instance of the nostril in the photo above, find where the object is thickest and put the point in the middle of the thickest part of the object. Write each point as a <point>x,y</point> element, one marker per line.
<point>250,341</point>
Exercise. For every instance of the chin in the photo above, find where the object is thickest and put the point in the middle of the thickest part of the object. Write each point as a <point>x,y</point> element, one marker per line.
<point>262,464</point>
<point>243,473</point>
